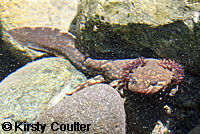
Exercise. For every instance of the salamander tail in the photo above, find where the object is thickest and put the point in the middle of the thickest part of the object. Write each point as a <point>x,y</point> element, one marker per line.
<point>49,40</point>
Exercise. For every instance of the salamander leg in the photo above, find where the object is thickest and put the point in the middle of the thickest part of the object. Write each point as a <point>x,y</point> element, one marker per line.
<point>118,85</point>
<point>92,81</point>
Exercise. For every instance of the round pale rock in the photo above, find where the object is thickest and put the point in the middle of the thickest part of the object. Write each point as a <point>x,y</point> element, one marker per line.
<point>19,13</point>
<point>34,13</point>
<point>99,105</point>
<point>33,88</point>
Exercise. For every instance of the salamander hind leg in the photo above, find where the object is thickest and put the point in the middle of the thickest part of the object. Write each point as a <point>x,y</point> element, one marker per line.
<point>89,82</point>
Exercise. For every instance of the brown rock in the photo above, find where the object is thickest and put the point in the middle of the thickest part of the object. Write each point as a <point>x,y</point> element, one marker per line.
<point>98,105</point>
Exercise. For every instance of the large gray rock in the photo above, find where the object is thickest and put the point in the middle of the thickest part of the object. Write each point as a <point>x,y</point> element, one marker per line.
<point>133,28</point>
<point>99,105</point>
<point>37,86</point>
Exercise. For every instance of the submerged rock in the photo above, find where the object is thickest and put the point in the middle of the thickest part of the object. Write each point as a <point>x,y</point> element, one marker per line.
<point>130,29</point>
<point>98,105</point>
<point>45,13</point>
<point>35,87</point>
<point>19,13</point>
<point>195,130</point>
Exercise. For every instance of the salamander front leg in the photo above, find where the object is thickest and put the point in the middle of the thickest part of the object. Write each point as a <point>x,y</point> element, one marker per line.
<point>118,85</point>
<point>92,81</point>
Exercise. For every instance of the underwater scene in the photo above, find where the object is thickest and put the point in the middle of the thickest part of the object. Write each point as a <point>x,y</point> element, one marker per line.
<point>104,67</point>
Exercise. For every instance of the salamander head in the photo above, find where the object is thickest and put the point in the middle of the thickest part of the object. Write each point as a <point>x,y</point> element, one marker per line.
<point>152,75</point>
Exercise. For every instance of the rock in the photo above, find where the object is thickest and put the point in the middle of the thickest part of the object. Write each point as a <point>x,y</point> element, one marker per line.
<point>8,63</point>
<point>35,87</point>
<point>98,105</point>
<point>129,29</point>
<point>45,13</point>
<point>153,13</point>
<point>160,128</point>
<point>195,130</point>
<point>149,113</point>
<point>19,13</point>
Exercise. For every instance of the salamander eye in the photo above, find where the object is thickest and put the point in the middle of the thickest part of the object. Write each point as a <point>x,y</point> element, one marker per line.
<point>131,71</point>
<point>132,82</point>
<point>153,83</point>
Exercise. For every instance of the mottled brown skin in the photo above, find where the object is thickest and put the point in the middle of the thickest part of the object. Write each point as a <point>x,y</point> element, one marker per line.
<point>145,76</point>
<point>151,78</point>
<point>147,79</point>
